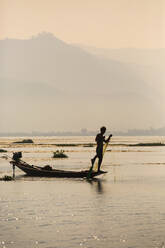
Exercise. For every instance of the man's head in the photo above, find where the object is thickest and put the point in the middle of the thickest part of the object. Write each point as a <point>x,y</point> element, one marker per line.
<point>103,130</point>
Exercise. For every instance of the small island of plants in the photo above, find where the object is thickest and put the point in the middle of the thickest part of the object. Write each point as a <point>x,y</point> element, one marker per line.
<point>148,144</point>
<point>59,154</point>
<point>67,144</point>
<point>7,178</point>
<point>25,141</point>
<point>2,150</point>
<point>88,145</point>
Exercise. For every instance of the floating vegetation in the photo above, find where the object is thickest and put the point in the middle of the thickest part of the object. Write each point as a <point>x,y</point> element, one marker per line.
<point>4,157</point>
<point>25,141</point>
<point>59,154</point>
<point>148,144</point>
<point>2,150</point>
<point>66,144</point>
<point>80,144</point>
<point>7,178</point>
<point>88,145</point>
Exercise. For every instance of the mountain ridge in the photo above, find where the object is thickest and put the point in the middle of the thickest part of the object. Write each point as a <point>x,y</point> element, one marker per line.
<point>53,74</point>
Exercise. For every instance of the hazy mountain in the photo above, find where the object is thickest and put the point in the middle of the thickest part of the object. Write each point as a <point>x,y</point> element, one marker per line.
<point>129,55</point>
<point>46,84</point>
<point>147,63</point>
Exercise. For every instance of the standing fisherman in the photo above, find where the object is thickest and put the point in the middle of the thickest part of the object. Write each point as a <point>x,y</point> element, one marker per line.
<point>100,139</point>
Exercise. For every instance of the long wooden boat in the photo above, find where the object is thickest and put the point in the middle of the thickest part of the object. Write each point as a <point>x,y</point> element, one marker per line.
<point>47,171</point>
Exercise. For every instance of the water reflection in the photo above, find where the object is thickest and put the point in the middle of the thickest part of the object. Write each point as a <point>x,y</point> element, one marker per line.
<point>97,184</point>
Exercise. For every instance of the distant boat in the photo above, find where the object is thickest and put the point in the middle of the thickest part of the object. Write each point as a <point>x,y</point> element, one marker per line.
<point>47,171</point>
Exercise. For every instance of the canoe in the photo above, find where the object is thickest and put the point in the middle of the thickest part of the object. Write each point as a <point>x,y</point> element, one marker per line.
<point>47,171</point>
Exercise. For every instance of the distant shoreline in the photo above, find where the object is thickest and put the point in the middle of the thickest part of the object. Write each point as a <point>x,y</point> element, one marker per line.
<point>151,132</point>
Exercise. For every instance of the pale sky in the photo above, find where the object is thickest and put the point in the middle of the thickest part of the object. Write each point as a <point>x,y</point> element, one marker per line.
<point>98,23</point>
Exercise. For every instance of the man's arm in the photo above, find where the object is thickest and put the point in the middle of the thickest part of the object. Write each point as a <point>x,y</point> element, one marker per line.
<point>107,140</point>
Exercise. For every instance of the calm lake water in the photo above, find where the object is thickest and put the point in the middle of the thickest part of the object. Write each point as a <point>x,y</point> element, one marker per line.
<point>123,209</point>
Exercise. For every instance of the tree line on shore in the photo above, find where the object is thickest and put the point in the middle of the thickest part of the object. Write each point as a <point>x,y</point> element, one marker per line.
<point>85,132</point>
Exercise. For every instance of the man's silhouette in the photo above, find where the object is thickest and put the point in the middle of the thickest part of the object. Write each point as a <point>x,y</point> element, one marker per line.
<point>100,139</point>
